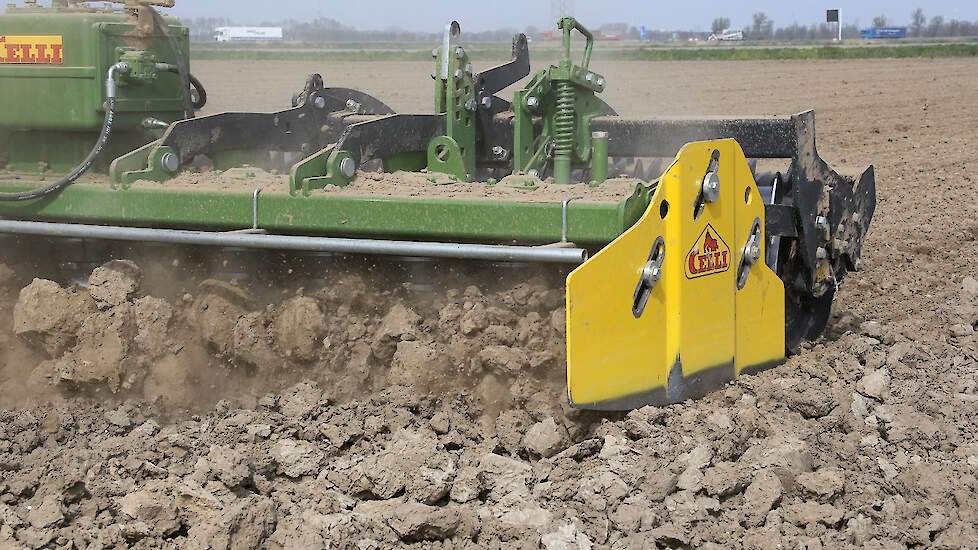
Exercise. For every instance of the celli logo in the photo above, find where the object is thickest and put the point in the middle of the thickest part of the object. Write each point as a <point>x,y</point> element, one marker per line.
<point>34,50</point>
<point>708,255</point>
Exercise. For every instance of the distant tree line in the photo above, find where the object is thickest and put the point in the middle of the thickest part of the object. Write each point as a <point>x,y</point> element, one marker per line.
<point>762,27</point>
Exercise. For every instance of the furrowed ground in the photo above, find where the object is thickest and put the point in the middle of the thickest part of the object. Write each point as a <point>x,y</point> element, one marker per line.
<point>384,420</point>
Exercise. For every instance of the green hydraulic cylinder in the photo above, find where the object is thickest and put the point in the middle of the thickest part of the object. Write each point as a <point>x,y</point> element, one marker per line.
<point>599,157</point>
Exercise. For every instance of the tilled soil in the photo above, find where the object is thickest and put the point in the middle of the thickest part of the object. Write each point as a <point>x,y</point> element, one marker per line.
<point>363,414</point>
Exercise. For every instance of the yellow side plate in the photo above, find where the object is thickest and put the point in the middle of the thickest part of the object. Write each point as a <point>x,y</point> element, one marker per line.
<point>669,310</point>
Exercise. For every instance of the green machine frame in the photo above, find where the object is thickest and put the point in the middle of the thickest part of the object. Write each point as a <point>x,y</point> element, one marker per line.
<point>52,112</point>
<point>555,127</point>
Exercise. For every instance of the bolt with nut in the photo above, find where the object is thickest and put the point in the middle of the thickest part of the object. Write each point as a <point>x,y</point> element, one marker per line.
<point>711,187</point>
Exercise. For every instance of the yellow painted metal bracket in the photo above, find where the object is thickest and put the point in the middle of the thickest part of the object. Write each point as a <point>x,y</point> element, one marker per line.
<point>682,302</point>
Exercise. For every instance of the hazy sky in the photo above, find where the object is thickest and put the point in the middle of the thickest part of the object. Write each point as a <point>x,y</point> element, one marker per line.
<point>430,15</point>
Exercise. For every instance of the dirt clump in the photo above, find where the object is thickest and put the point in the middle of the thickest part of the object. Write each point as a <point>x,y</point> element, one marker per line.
<point>51,316</point>
<point>113,283</point>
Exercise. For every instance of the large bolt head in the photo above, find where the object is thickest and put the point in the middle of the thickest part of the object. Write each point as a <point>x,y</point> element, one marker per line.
<point>486,102</point>
<point>532,102</point>
<point>319,102</point>
<point>752,252</point>
<point>348,167</point>
<point>459,52</point>
<point>170,162</point>
<point>711,187</point>
<point>434,53</point>
<point>651,273</point>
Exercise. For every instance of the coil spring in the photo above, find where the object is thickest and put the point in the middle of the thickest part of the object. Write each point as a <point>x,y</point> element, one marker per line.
<point>564,120</point>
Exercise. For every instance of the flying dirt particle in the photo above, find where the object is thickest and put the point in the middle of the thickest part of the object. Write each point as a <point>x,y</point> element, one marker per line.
<point>217,309</point>
<point>171,379</point>
<point>503,360</point>
<point>558,320</point>
<point>400,324</point>
<point>299,328</point>
<point>8,278</point>
<point>152,317</point>
<point>474,320</point>
<point>349,291</point>
<point>113,283</point>
<point>251,342</point>
<point>103,353</point>
<point>50,316</point>
<point>421,365</point>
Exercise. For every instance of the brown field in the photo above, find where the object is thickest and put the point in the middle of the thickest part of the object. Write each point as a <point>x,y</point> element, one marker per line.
<point>868,439</point>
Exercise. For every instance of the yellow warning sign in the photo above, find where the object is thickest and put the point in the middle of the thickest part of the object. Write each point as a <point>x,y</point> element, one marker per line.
<point>40,50</point>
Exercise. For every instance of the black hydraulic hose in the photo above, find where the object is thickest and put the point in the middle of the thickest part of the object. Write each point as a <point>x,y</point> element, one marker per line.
<point>201,92</point>
<point>79,170</point>
<point>197,84</point>
<point>182,69</point>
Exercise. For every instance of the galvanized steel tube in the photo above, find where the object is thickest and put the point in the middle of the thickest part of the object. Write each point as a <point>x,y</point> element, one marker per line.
<point>461,251</point>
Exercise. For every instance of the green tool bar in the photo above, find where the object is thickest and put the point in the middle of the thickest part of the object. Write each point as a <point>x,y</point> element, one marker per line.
<point>504,222</point>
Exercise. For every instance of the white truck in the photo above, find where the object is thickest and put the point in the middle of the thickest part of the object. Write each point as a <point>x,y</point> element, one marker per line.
<point>728,35</point>
<point>248,34</point>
